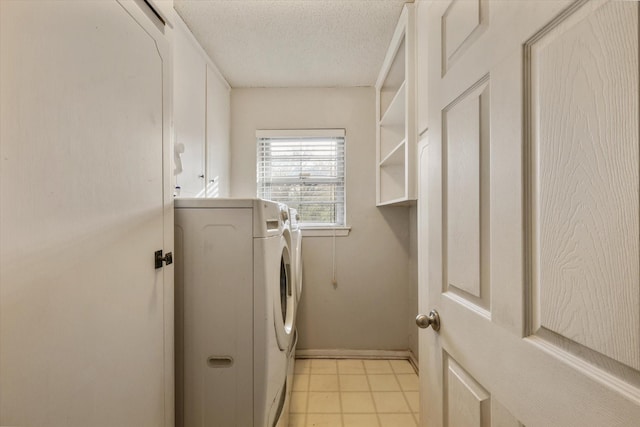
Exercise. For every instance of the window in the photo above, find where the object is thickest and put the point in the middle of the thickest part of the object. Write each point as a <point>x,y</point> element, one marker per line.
<point>305,170</point>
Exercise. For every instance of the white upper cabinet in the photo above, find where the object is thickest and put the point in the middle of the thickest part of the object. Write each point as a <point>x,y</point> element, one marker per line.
<point>189,114</point>
<point>218,134</point>
<point>202,106</point>
<point>396,117</point>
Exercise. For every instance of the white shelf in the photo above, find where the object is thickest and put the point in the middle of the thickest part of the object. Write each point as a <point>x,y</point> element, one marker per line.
<point>395,113</point>
<point>396,110</point>
<point>393,73</point>
<point>400,201</point>
<point>395,156</point>
<point>392,183</point>
<point>390,137</point>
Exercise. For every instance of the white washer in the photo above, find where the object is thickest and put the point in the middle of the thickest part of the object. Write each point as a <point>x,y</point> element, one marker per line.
<point>285,323</point>
<point>234,311</point>
<point>296,274</point>
<point>296,250</point>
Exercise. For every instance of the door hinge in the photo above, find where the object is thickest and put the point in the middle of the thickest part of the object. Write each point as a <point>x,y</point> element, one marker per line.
<point>167,258</point>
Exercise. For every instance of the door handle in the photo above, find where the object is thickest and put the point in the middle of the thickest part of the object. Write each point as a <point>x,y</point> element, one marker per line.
<point>159,259</point>
<point>433,320</point>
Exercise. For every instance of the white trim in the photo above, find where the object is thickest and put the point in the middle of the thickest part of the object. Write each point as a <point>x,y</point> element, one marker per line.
<point>217,72</point>
<point>361,354</point>
<point>414,361</point>
<point>300,133</point>
<point>325,231</point>
<point>353,354</point>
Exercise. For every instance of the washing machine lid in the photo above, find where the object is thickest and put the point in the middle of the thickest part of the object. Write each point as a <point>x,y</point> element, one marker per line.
<point>269,218</point>
<point>220,203</point>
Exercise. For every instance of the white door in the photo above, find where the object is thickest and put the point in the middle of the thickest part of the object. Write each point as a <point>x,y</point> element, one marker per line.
<point>529,227</point>
<point>86,326</point>
<point>190,105</point>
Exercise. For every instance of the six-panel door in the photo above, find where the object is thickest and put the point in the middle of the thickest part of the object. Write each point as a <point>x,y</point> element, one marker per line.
<point>529,214</point>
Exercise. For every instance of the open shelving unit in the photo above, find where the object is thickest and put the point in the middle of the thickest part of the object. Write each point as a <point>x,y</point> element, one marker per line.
<point>395,117</point>
<point>395,156</point>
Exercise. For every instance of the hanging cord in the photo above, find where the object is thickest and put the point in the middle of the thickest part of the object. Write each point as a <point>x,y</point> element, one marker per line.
<point>334,280</point>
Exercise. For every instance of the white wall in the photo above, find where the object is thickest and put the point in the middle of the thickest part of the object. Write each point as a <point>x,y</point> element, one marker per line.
<point>369,307</point>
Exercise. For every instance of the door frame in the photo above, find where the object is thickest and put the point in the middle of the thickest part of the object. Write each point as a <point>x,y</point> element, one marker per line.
<point>151,21</point>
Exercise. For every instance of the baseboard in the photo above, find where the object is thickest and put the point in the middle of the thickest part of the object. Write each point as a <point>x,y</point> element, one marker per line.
<point>414,361</point>
<point>360,354</point>
<point>356,354</point>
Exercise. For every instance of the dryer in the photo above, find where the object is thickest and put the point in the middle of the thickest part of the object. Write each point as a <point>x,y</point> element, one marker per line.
<point>296,251</point>
<point>296,274</point>
<point>234,311</point>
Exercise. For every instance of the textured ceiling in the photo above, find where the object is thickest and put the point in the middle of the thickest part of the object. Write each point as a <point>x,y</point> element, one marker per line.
<point>294,43</point>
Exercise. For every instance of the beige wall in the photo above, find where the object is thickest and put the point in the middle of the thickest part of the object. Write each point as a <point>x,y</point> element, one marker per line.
<point>369,308</point>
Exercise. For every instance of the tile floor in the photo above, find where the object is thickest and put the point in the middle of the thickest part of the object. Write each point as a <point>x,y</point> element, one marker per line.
<point>354,393</point>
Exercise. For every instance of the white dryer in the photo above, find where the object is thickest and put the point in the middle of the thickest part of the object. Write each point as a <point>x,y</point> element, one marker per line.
<point>296,251</point>
<point>296,274</point>
<point>234,311</point>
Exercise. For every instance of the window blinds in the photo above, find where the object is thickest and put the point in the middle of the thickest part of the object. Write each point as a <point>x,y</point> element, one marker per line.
<point>306,171</point>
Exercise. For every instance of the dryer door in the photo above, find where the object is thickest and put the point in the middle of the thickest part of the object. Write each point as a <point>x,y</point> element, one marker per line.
<point>297,248</point>
<point>283,307</point>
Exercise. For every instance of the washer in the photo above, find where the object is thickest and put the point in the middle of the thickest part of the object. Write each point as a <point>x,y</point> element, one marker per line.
<point>285,323</point>
<point>296,249</point>
<point>296,270</point>
<point>234,311</point>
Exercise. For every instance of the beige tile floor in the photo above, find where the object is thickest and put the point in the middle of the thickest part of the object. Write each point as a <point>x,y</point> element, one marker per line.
<point>354,393</point>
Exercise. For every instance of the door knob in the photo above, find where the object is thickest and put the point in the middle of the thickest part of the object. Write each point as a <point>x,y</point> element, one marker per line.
<point>433,320</point>
<point>159,259</point>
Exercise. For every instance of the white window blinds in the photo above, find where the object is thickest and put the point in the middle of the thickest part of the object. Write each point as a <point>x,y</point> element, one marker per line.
<point>305,170</point>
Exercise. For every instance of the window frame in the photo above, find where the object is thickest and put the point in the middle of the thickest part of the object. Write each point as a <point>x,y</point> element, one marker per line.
<point>317,229</point>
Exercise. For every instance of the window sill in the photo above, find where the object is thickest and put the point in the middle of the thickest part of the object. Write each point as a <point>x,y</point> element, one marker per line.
<point>325,231</point>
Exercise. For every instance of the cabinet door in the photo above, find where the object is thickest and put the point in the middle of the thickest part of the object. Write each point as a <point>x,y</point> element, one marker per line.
<point>85,91</point>
<point>218,134</point>
<point>190,113</point>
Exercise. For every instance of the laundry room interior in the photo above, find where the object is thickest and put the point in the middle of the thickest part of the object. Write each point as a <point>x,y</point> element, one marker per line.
<point>339,213</point>
<point>359,272</point>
